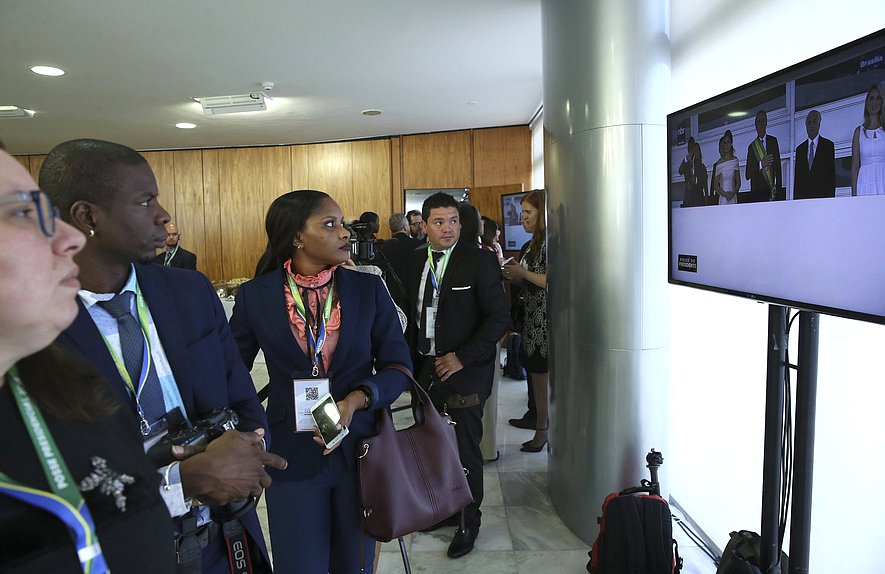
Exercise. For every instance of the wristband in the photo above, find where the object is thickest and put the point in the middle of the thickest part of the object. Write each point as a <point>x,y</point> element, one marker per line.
<point>367,392</point>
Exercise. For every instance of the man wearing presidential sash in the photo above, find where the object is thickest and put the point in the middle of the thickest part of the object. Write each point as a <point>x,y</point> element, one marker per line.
<point>763,165</point>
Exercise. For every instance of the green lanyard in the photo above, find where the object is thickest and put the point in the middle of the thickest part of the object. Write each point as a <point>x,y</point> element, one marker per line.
<point>436,279</point>
<point>147,359</point>
<point>65,500</point>
<point>317,340</point>
<point>168,258</point>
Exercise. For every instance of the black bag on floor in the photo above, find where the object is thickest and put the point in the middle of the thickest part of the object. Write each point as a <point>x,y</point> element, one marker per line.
<point>636,531</point>
<point>743,554</point>
<point>513,364</point>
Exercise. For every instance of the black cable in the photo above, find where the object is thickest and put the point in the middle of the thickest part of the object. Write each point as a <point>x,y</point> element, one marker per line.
<point>695,538</point>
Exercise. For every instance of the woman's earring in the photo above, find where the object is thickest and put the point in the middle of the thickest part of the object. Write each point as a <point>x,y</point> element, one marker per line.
<point>91,233</point>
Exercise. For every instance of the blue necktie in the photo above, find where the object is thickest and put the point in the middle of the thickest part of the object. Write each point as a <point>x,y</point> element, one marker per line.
<point>132,346</point>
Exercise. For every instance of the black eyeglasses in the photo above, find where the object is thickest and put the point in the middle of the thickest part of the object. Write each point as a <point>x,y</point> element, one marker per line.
<point>46,212</point>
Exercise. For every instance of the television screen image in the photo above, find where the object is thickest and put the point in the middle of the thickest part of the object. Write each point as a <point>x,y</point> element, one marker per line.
<point>777,188</point>
<point>514,236</point>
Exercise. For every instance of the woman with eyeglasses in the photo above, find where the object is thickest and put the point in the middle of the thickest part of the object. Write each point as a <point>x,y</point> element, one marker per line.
<point>76,491</point>
<point>321,326</point>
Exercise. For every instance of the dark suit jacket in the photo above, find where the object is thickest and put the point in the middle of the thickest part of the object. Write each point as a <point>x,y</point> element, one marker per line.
<point>471,318</point>
<point>370,337</point>
<point>820,180</point>
<point>398,251</point>
<point>183,259</point>
<point>197,341</point>
<point>759,188</point>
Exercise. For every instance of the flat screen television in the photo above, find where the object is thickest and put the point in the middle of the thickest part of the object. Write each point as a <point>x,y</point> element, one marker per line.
<point>513,235</point>
<point>748,217</point>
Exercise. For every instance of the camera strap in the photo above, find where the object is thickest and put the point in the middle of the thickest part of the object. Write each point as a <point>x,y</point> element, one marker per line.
<point>65,500</point>
<point>237,547</point>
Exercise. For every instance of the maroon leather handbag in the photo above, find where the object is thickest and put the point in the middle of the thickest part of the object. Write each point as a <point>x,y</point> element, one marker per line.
<point>411,478</point>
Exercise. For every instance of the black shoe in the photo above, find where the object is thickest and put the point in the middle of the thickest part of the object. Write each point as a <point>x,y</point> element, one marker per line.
<point>529,447</point>
<point>462,543</point>
<point>450,521</point>
<point>526,422</point>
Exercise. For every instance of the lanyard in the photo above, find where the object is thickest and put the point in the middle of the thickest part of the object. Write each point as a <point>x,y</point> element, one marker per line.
<point>436,279</point>
<point>65,500</point>
<point>315,341</point>
<point>146,360</point>
<point>168,259</point>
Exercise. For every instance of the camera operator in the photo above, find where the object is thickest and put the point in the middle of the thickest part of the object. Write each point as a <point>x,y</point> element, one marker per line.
<point>160,336</point>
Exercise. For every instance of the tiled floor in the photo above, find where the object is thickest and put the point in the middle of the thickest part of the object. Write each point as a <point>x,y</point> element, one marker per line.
<point>521,532</point>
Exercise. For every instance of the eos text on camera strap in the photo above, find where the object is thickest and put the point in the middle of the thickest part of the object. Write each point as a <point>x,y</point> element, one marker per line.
<point>65,500</point>
<point>314,327</point>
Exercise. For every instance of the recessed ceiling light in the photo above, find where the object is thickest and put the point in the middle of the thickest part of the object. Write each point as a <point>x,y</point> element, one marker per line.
<point>47,71</point>
<point>472,103</point>
<point>185,125</point>
<point>371,112</point>
<point>736,114</point>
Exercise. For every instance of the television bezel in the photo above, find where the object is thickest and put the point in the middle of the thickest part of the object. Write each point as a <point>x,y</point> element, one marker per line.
<point>780,77</point>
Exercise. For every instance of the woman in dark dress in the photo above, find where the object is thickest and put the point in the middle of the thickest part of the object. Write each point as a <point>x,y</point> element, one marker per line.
<point>97,506</point>
<point>531,274</point>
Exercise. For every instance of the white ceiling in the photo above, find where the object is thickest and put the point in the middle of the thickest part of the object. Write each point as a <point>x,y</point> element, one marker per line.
<point>133,67</point>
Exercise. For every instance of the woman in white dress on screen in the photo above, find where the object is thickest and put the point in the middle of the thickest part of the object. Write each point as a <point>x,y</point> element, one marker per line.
<point>727,179</point>
<point>868,148</point>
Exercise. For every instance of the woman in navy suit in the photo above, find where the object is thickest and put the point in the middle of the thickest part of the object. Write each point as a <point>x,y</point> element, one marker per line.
<point>286,311</point>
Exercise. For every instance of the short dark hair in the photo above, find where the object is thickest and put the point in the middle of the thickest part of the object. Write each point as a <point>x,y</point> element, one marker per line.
<point>436,200</point>
<point>489,230</point>
<point>84,170</point>
<point>286,217</point>
<point>370,217</point>
<point>411,213</point>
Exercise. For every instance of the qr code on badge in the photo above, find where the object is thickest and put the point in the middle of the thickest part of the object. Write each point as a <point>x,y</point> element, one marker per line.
<point>312,393</point>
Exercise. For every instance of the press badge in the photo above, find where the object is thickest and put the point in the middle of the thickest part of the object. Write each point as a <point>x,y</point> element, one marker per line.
<point>307,392</point>
<point>430,325</point>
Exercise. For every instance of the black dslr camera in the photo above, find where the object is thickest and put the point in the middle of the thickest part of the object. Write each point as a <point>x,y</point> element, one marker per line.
<point>362,246</point>
<point>201,432</point>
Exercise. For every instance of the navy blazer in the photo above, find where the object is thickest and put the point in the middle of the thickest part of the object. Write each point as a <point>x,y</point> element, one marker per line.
<point>197,341</point>
<point>472,314</point>
<point>370,337</point>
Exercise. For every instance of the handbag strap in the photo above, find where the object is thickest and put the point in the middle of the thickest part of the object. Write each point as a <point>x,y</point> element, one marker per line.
<point>420,398</point>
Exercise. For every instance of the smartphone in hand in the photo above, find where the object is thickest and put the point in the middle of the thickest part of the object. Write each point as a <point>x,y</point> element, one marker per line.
<point>506,261</point>
<point>326,416</point>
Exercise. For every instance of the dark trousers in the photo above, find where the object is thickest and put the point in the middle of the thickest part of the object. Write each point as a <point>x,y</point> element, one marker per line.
<point>468,432</point>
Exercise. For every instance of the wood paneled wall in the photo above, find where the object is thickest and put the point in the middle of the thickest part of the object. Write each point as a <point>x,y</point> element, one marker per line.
<point>219,197</point>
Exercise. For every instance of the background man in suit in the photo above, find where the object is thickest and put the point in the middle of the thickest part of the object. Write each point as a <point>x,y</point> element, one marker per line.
<point>184,354</point>
<point>415,225</point>
<point>398,251</point>
<point>458,312</point>
<point>175,255</point>
<point>815,174</point>
<point>763,164</point>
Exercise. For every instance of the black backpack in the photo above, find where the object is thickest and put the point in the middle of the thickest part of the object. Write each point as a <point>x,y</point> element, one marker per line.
<point>636,531</point>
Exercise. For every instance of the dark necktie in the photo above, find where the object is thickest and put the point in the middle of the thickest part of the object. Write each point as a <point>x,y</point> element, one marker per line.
<point>810,153</point>
<point>133,347</point>
<point>424,345</point>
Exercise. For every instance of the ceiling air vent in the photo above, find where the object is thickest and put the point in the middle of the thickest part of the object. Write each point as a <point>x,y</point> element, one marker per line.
<point>253,102</point>
<point>14,112</point>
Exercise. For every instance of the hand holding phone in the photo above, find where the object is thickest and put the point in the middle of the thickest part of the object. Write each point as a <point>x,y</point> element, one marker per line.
<point>326,416</point>
<point>506,261</point>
